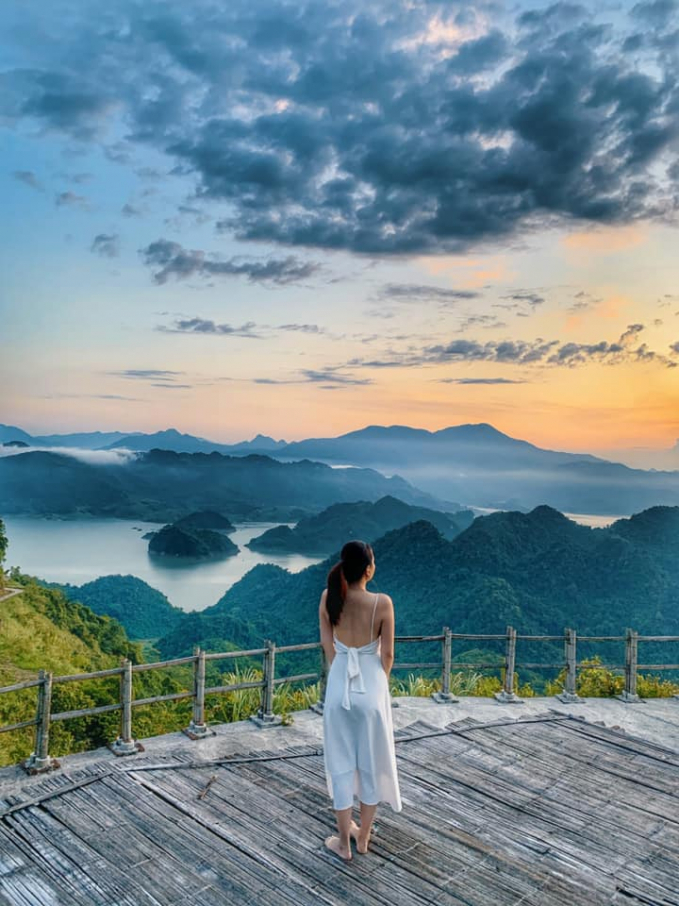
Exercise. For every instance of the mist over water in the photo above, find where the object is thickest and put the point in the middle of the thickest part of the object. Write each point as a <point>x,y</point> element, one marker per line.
<point>78,551</point>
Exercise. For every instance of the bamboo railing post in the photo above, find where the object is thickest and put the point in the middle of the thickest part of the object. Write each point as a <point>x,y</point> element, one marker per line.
<point>265,715</point>
<point>39,761</point>
<point>445,695</point>
<point>317,707</point>
<point>125,744</point>
<point>629,693</point>
<point>508,696</point>
<point>197,729</point>
<point>569,694</point>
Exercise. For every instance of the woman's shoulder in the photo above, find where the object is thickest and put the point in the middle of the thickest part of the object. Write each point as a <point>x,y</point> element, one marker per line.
<point>384,599</point>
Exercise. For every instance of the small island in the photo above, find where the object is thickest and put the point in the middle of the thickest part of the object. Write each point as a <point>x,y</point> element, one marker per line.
<point>177,541</point>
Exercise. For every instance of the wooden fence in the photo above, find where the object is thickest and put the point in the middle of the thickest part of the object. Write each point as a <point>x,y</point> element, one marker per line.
<point>125,744</point>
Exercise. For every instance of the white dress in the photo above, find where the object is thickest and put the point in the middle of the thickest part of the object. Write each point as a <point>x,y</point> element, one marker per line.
<point>359,752</point>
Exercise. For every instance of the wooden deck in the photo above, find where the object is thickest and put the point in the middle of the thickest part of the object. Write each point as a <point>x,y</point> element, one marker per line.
<point>549,811</point>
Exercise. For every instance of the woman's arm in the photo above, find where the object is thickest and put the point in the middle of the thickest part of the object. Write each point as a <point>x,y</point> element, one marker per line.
<point>387,635</point>
<point>326,630</point>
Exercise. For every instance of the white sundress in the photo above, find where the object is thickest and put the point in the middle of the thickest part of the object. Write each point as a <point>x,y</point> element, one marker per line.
<point>359,751</point>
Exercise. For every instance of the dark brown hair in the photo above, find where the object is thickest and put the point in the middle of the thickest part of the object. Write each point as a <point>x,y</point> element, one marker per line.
<point>355,558</point>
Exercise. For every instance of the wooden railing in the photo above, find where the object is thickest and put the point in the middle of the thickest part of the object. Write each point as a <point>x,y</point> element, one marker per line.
<point>125,744</point>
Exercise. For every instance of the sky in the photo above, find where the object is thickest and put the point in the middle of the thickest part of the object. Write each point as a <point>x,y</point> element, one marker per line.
<point>302,218</point>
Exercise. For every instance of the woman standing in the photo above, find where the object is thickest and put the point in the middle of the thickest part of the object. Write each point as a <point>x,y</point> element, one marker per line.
<point>357,634</point>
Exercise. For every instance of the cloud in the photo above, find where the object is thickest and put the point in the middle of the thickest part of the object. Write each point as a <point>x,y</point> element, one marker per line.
<point>118,457</point>
<point>485,321</point>
<point>404,127</point>
<point>302,328</point>
<point>631,333</point>
<point>331,378</point>
<point>478,381</point>
<point>416,292</point>
<point>204,326</point>
<point>659,13</point>
<point>129,210</point>
<point>71,200</point>
<point>517,352</point>
<point>172,260</point>
<point>28,178</point>
<point>583,302</point>
<point>524,295</point>
<point>106,244</point>
<point>538,352</point>
<point>675,348</point>
<point>147,374</point>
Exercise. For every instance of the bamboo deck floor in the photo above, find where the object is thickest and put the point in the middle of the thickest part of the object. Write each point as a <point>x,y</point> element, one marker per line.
<point>549,811</point>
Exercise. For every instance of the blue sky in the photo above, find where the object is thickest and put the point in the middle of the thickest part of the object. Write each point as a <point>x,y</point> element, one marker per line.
<point>301,218</point>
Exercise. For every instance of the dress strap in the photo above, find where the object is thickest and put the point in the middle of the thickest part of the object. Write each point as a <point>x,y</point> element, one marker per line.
<point>373,619</point>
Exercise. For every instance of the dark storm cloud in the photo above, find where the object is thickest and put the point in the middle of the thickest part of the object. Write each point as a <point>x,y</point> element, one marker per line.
<point>349,126</point>
<point>106,244</point>
<point>172,260</point>
<point>658,13</point>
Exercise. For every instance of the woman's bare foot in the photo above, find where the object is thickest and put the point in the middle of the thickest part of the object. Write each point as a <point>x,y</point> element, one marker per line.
<point>361,844</point>
<point>333,844</point>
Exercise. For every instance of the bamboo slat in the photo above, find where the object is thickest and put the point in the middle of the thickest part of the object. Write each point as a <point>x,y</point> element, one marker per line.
<point>86,712</point>
<point>19,726</point>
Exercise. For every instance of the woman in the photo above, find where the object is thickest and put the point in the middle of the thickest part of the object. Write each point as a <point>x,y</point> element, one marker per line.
<point>357,634</point>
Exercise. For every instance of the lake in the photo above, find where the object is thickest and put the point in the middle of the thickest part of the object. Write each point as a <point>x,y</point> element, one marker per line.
<point>77,551</point>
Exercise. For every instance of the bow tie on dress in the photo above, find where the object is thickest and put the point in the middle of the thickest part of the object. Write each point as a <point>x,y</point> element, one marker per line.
<point>353,679</point>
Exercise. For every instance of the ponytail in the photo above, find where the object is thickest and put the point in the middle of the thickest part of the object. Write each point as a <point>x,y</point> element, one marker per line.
<point>337,592</point>
<point>355,558</point>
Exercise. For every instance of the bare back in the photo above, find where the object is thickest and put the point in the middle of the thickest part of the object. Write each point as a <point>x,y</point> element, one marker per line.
<point>360,621</point>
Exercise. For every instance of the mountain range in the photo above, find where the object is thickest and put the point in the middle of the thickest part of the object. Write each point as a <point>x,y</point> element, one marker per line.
<point>475,464</point>
<point>162,486</point>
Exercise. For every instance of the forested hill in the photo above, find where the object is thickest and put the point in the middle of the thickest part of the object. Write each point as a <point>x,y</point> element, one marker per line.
<point>539,572</point>
<point>144,611</point>
<point>163,486</point>
<point>327,531</point>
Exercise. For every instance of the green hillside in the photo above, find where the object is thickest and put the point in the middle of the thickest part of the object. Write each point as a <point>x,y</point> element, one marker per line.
<point>42,629</point>
<point>144,611</point>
